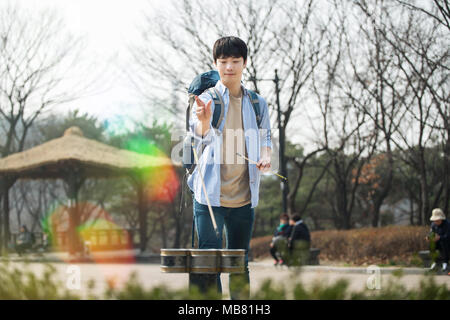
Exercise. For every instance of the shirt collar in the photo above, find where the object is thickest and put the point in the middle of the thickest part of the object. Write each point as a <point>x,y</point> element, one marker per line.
<point>223,89</point>
<point>298,222</point>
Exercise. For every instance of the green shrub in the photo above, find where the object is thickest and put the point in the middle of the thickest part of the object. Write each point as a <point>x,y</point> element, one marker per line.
<point>392,245</point>
<point>133,290</point>
<point>22,284</point>
<point>18,284</point>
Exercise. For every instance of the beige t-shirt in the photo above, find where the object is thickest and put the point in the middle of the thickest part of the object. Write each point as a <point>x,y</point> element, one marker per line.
<point>235,187</point>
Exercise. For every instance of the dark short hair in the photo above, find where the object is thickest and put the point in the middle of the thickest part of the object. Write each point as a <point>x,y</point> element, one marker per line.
<point>296,217</point>
<point>229,47</point>
<point>284,216</point>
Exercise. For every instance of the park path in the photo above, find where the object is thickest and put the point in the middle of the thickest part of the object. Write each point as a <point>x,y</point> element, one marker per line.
<point>149,275</point>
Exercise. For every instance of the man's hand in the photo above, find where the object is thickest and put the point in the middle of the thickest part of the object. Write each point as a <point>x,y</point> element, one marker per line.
<point>436,238</point>
<point>264,162</point>
<point>203,113</point>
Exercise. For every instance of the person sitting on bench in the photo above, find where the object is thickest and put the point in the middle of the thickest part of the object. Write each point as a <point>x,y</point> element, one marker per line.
<point>279,240</point>
<point>299,241</point>
<point>24,240</point>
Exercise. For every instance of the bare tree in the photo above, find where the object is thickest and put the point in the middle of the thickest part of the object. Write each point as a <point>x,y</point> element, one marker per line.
<point>183,38</point>
<point>279,34</point>
<point>345,134</point>
<point>299,51</point>
<point>374,69</point>
<point>35,56</point>
<point>301,165</point>
<point>439,10</point>
<point>422,55</point>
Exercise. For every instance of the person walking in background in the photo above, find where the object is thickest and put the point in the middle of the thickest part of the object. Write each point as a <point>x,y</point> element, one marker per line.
<point>439,238</point>
<point>279,240</point>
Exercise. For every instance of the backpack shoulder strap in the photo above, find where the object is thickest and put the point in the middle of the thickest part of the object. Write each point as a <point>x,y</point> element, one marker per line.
<point>217,116</point>
<point>218,107</point>
<point>188,110</point>
<point>255,104</point>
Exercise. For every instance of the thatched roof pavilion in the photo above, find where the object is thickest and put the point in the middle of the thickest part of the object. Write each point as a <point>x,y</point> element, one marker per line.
<point>52,159</point>
<point>75,158</point>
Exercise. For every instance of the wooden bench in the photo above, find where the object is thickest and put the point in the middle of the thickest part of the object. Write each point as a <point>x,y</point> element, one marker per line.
<point>426,258</point>
<point>314,256</point>
<point>311,259</point>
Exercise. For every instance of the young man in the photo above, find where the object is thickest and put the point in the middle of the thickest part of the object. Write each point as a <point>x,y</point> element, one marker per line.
<point>232,183</point>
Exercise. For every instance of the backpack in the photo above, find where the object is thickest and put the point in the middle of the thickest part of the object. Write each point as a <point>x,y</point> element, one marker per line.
<point>201,83</point>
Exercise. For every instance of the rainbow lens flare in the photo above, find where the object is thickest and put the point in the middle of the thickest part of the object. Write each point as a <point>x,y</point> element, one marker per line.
<point>102,238</point>
<point>161,183</point>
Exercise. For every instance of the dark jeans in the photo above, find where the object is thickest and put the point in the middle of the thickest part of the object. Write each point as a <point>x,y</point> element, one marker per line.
<point>273,253</point>
<point>238,224</point>
<point>279,247</point>
<point>444,250</point>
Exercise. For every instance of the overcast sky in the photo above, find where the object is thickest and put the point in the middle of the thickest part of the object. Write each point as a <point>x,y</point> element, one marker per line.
<point>107,26</point>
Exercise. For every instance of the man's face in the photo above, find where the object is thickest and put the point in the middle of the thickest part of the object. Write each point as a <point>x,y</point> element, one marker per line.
<point>438,222</point>
<point>230,69</point>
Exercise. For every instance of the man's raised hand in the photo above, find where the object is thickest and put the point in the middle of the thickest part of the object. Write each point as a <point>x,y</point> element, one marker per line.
<point>203,111</point>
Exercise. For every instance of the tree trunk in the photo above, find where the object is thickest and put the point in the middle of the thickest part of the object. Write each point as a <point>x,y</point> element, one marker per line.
<point>386,186</point>
<point>425,209</point>
<point>376,216</point>
<point>411,210</point>
<point>5,234</point>
<point>163,231</point>
<point>6,231</point>
<point>420,211</point>
<point>446,177</point>
<point>343,213</point>
<point>283,169</point>
<point>1,222</point>
<point>142,218</point>
<point>178,230</point>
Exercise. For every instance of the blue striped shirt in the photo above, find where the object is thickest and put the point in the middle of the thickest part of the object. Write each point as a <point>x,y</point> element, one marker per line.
<point>255,139</point>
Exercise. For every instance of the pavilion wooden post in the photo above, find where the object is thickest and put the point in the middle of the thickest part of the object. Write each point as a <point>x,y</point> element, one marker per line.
<point>138,182</point>
<point>6,182</point>
<point>74,179</point>
<point>143,226</point>
<point>73,158</point>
